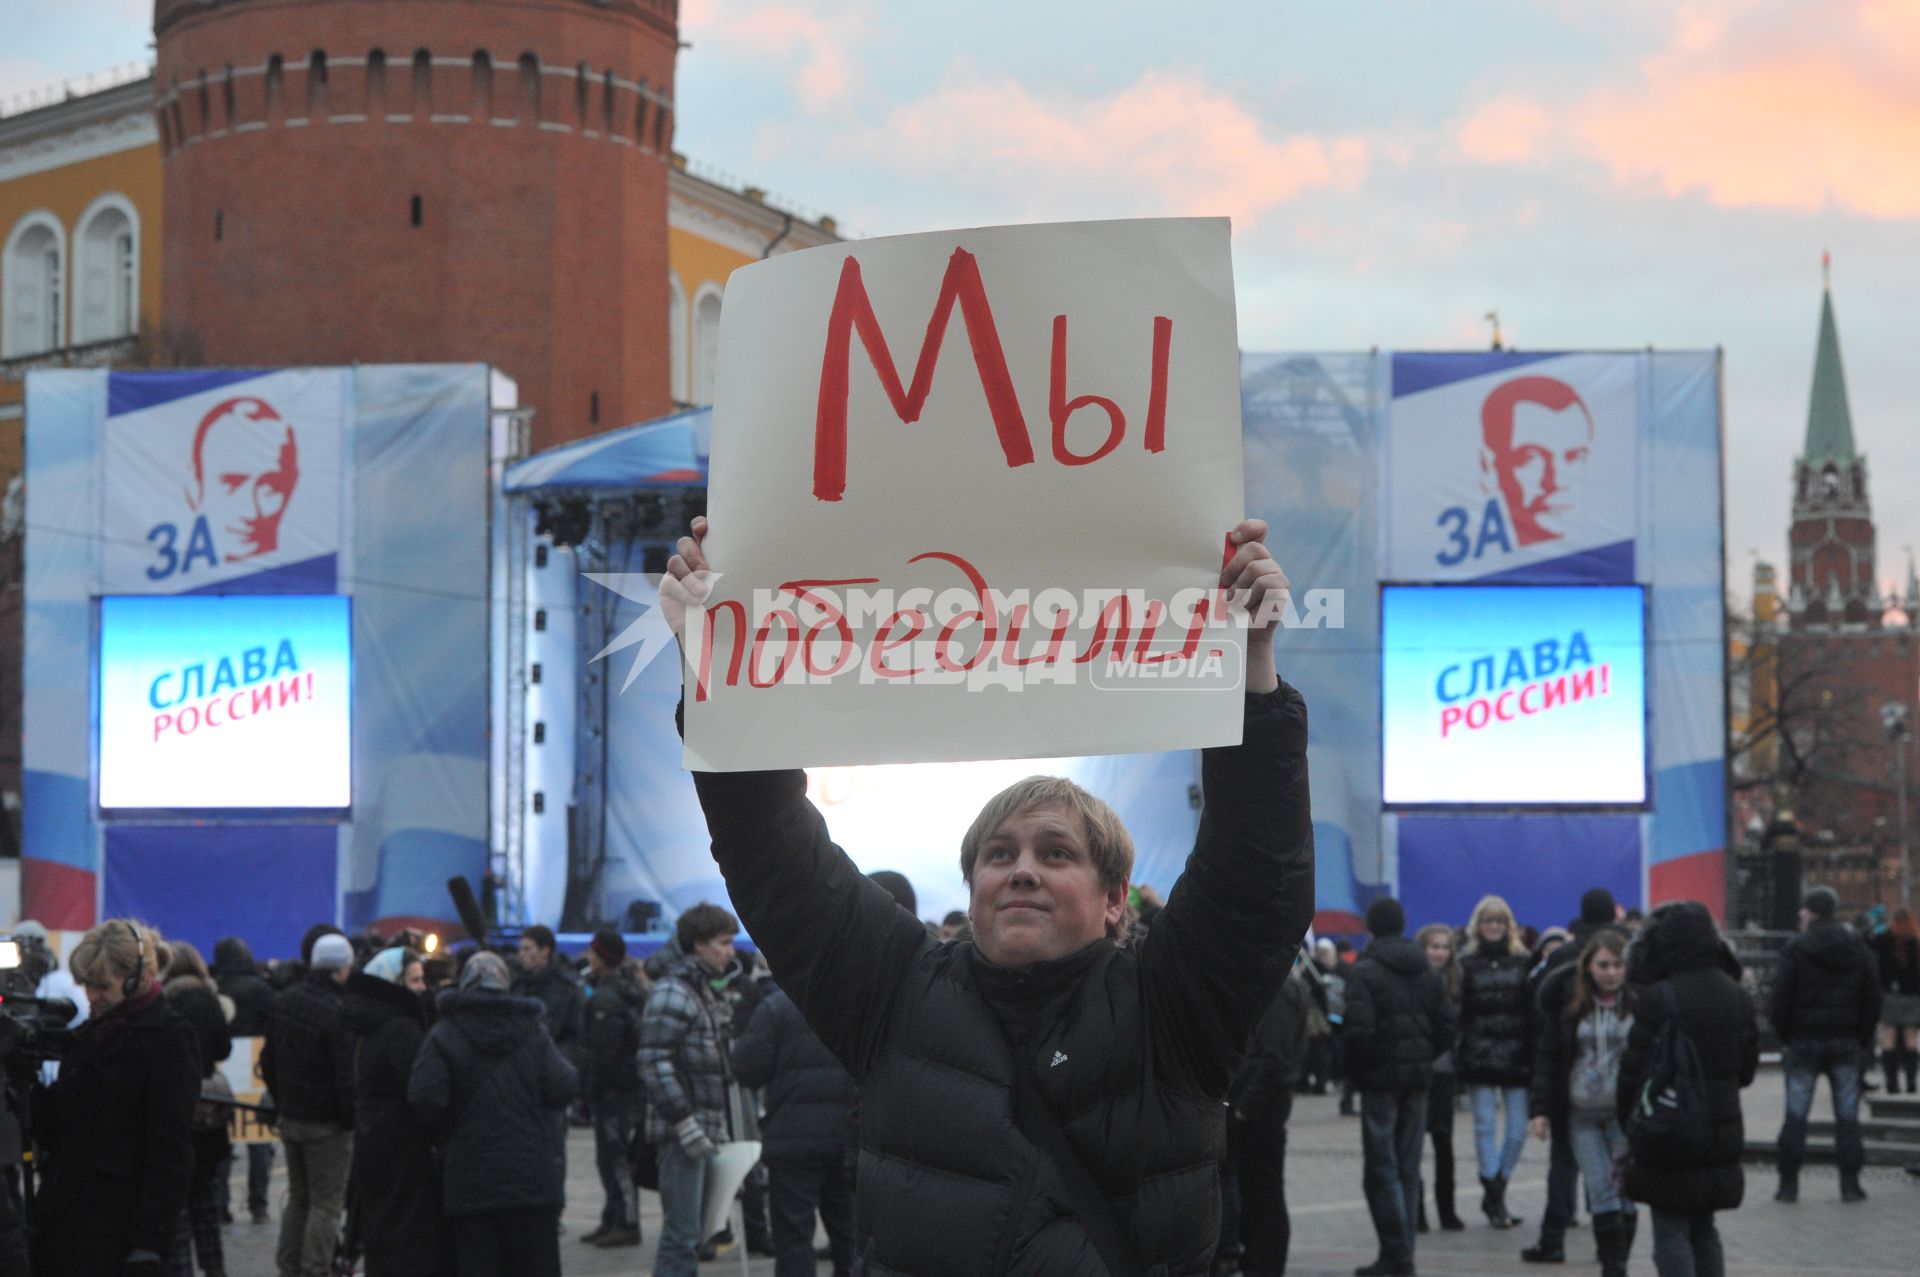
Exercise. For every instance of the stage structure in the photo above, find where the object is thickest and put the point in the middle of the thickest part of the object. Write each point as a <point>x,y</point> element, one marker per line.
<point>1517,684</point>
<point>260,661</point>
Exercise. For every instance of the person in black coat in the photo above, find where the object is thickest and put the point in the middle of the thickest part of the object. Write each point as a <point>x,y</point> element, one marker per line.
<point>1826,1007</point>
<point>1259,1105</point>
<point>395,1185</point>
<point>1680,964</point>
<point>616,1000</point>
<point>809,1134</point>
<point>1494,1057</point>
<point>240,981</point>
<point>1896,952</point>
<point>1399,1021</point>
<point>490,1083</point>
<point>190,990</point>
<point>1062,1091</point>
<point>115,1131</point>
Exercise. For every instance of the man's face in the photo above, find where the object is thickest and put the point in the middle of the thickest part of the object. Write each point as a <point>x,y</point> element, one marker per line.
<point>1539,456</point>
<point>532,957</point>
<point>1037,894</point>
<point>1806,918</point>
<point>717,953</point>
<point>415,977</point>
<point>245,467</point>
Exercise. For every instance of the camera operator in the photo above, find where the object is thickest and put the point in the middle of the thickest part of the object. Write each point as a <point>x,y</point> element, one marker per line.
<point>115,1129</point>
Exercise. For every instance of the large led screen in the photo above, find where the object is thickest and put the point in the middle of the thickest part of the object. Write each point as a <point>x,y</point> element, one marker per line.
<point>1513,695</point>
<point>227,702</point>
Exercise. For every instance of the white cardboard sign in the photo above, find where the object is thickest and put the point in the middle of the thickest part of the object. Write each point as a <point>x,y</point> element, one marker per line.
<point>969,496</point>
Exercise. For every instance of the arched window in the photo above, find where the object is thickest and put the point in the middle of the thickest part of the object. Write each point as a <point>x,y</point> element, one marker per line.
<point>606,105</point>
<point>317,85</point>
<point>376,105</point>
<point>106,271</point>
<point>580,96</point>
<point>482,86</point>
<point>33,269</point>
<point>640,113</point>
<point>676,339</point>
<point>662,135</point>
<point>529,89</point>
<point>275,106</point>
<point>706,342</point>
<point>422,104</point>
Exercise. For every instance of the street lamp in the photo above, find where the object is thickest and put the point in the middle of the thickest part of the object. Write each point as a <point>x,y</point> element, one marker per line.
<point>1893,716</point>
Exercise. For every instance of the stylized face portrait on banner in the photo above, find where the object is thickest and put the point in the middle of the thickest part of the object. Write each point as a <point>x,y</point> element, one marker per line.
<point>969,492</point>
<point>227,483</point>
<point>1524,472</point>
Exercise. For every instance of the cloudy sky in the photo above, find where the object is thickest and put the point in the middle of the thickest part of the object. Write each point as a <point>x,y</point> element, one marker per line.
<point>1604,175</point>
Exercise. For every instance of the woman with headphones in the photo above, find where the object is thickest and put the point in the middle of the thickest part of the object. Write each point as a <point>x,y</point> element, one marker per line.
<point>115,1130</point>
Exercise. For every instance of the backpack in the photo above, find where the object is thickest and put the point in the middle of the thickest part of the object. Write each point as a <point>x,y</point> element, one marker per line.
<point>1668,1125</point>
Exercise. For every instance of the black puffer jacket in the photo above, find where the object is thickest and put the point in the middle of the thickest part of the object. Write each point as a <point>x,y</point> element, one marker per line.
<point>1133,1048</point>
<point>615,1003</point>
<point>115,1132</point>
<point>1826,986</point>
<point>488,1081</point>
<point>1399,1018</point>
<point>1496,1022</point>
<point>239,979</point>
<point>1681,952</point>
<point>812,1105</point>
<point>556,987</point>
<point>396,1186</point>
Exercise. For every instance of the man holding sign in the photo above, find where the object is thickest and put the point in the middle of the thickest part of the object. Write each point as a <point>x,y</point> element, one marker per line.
<point>1042,1098</point>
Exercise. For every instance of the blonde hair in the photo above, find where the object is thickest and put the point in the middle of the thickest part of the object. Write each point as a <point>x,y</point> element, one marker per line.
<point>1107,839</point>
<point>119,946</point>
<point>1494,907</point>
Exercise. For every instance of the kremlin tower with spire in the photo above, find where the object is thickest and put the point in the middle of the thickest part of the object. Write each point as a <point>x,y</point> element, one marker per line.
<point>1844,651</point>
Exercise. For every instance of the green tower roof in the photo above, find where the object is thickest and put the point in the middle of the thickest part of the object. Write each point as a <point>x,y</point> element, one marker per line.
<point>1829,424</point>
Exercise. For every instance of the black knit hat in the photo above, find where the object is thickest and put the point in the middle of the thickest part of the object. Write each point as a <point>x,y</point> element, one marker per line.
<point>1821,902</point>
<point>610,945</point>
<point>1386,918</point>
<point>1597,907</point>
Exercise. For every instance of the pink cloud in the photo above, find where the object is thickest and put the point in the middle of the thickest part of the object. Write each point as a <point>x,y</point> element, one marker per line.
<point>810,45</point>
<point>1747,105</point>
<point>1165,144</point>
<point>1507,130</point>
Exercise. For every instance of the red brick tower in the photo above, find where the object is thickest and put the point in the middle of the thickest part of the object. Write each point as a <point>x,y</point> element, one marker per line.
<point>424,180</point>
<point>1842,664</point>
<point>1832,536</point>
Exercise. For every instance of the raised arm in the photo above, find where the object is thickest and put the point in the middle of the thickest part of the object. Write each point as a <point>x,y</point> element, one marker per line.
<point>838,940</point>
<point>1219,951</point>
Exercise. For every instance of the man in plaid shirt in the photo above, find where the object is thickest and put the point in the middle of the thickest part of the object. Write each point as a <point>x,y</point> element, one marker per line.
<point>683,1065</point>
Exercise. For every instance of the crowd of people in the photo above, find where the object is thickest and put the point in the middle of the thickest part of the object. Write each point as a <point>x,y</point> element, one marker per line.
<point>423,1106</point>
<point>1557,1035</point>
